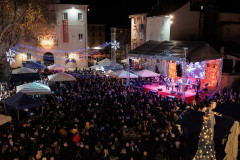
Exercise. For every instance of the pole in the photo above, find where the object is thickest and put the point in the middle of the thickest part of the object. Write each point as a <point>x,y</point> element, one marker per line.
<point>113,39</point>
<point>128,68</point>
<point>184,73</point>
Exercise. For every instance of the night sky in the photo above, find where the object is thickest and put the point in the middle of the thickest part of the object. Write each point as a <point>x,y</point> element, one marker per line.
<point>116,12</point>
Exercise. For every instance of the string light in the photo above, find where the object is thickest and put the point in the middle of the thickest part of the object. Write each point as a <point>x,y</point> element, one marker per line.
<point>19,51</point>
<point>62,51</point>
<point>206,143</point>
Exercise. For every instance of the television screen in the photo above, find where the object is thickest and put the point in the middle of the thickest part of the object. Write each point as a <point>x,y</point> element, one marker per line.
<point>196,70</point>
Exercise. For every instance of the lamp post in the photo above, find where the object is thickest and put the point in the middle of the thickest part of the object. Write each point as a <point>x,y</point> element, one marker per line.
<point>128,67</point>
<point>184,73</point>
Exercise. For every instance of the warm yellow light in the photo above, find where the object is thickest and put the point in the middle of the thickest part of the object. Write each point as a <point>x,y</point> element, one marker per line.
<point>171,17</point>
<point>47,44</point>
<point>171,22</point>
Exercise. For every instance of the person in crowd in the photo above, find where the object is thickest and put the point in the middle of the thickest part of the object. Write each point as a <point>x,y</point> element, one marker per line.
<point>98,117</point>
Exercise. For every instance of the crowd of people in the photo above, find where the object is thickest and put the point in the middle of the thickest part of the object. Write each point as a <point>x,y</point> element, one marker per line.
<point>98,118</point>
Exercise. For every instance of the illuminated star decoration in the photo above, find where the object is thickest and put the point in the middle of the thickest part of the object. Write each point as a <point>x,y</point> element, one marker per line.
<point>10,56</point>
<point>115,45</point>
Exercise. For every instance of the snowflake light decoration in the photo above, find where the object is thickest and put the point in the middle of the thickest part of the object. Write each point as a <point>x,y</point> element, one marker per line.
<point>10,56</point>
<point>115,45</point>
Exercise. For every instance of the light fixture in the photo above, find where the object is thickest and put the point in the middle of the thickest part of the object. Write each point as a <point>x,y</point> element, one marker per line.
<point>171,16</point>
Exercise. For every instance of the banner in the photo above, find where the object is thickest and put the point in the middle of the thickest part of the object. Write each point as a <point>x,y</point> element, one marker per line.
<point>65,30</point>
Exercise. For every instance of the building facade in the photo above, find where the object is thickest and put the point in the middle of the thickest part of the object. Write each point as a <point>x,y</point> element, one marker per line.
<point>63,41</point>
<point>228,27</point>
<point>158,28</point>
<point>138,29</point>
<point>96,35</point>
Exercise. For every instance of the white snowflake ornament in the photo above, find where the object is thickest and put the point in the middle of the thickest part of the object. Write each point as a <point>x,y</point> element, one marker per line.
<point>10,56</point>
<point>115,45</point>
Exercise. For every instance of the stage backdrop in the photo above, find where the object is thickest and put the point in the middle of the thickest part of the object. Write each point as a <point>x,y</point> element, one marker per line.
<point>210,77</point>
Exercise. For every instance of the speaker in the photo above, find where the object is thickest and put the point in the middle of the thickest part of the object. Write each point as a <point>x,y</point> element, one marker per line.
<point>172,92</point>
<point>159,89</point>
<point>179,70</point>
<point>179,93</point>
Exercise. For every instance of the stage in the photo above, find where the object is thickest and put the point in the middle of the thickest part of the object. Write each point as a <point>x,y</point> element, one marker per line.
<point>189,94</point>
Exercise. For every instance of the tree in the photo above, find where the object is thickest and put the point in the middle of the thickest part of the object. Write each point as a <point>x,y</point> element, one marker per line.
<point>206,144</point>
<point>18,19</point>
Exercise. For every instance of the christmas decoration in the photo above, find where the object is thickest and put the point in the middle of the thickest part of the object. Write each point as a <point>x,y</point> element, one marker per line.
<point>115,45</point>
<point>206,144</point>
<point>10,56</point>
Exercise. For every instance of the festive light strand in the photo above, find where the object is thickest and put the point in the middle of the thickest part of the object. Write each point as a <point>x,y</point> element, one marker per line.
<point>17,51</point>
<point>62,51</point>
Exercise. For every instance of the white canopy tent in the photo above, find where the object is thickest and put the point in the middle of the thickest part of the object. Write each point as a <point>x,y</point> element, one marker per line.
<point>23,70</point>
<point>146,73</point>
<point>34,88</point>
<point>4,119</point>
<point>123,74</point>
<point>103,61</point>
<point>125,61</point>
<point>97,67</point>
<point>61,77</point>
<point>57,67</point>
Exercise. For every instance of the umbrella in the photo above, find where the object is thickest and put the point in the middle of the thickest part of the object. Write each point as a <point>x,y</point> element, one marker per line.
<point>23,70</point>
<point>126,61</point>
<point>97,67</point>
<point>61,77</point>
<point>231,148</point>
<point>34,88</point>
<point>33,65</point>
<point>21,101</point>
<point>4,119</point>
<point>146,73</point>
<point>103,61</point>
<point>57,67</point>
<point>124,74</point>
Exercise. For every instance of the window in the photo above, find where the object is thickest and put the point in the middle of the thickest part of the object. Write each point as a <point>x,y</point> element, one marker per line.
<point>151,22</point>
<point>141,20</point>
<point>134,34</point>
<point>53,14</point>
<point>80,16</point>
<point>65,16</point>
<point>54,38</point>
<point>135,20</point>
<point>151,37</point>
<point>28,55</point>
<point>66,55</point>
<point>162,37</point>
<point>163,22</point>
<point>39,38</point>
<point>134,45</point>
<point>80,36</point>
<point>141,35</point>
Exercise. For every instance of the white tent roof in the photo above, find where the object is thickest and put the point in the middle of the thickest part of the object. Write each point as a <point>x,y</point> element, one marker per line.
<point>103,61</point>
<point>57,67</point>
<point>34,88</point>
<point>123,74</point>
<point>61,77</point>
<point>4,119</point>
<point>146,73</point>
<point>126,61</point>
<point>97,67</point>
<point>23,70</point>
